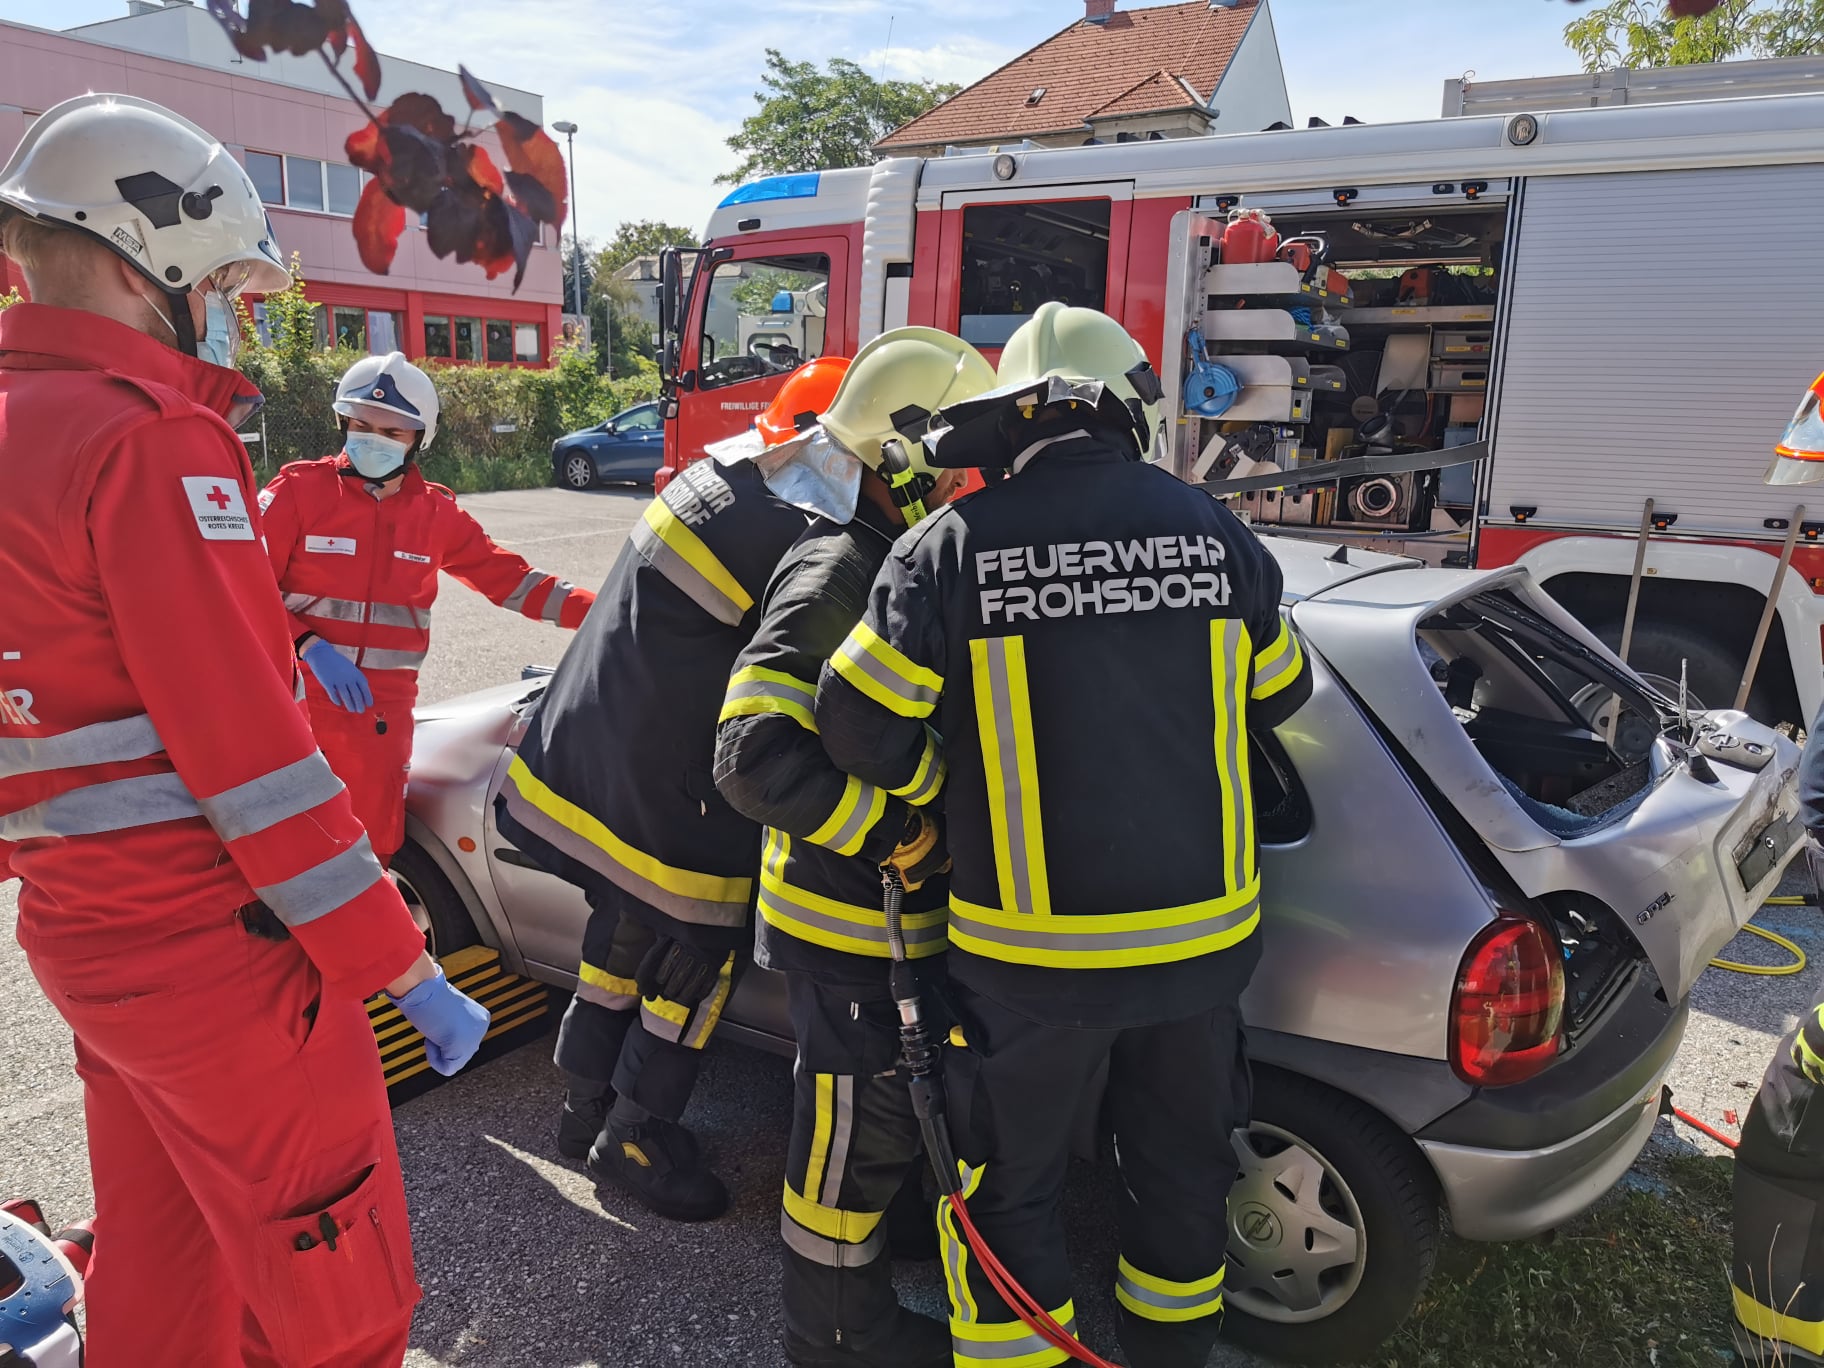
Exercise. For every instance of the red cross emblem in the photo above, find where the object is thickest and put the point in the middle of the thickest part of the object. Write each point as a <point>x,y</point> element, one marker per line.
<point>219,499</point>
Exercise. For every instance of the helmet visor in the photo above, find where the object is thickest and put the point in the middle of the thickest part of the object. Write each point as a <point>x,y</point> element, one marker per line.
<point>378,415</point>
<point>1799,457</point>
<point>228,281</point>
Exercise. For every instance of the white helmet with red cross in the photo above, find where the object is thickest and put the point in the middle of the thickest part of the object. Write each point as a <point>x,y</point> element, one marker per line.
<point>392,391</point>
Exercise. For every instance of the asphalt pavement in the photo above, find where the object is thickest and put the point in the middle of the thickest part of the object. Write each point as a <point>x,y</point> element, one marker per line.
<point>521,1267</point>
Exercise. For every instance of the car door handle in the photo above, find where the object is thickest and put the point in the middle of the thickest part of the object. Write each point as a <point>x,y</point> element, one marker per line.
<point>508,855</point>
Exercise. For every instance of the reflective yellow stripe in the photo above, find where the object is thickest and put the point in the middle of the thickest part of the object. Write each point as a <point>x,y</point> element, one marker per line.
<point>1003,714</point>
<point>689,548</point>
<point>860,807</point>
<point>823,1087</point>
<point>928,779</point>
<point>666,1010</point>
<point>1809,1062</point>
<point>601,978</point>
<point>955,1252</point>
<point>854,930</point>
<point>850,1227</point>
<point>873,665</point>
<point>1106,941</point>
<point>683,883</point>
<point>709,1013</point>
<point>1770,1324</point>
<point>756,690</point>
<point>1229,679</point>
<point>605,989</point>
<point>1278,665</point>
<point>1160,1299</point>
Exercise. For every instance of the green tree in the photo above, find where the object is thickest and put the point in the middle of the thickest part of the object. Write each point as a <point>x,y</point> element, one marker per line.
<point>644,238</point>
<point>812,119</point>
<point>754,295</point>
<point>1646,33</point>
<point>291,320</point>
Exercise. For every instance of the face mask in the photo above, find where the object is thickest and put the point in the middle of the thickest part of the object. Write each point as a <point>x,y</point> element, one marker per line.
<point>221,339</point>
<point>374,456</point>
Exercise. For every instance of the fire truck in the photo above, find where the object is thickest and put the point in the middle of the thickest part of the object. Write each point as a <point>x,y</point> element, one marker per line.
<point>1611,308</point>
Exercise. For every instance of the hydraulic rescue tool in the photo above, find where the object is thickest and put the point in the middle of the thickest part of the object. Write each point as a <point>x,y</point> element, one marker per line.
<point>40,1288</point>
<point>923,1059</point>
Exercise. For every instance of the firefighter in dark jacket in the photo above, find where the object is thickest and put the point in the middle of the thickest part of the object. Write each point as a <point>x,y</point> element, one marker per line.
<point>1092,639</point>
<point>613,789</point>
<point>854,1137</point>
<point>1778,1268</point>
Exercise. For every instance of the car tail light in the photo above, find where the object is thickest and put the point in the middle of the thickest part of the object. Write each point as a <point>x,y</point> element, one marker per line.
<point>1509,1004</point>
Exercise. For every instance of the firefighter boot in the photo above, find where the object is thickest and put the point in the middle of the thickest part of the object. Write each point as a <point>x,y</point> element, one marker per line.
<point>586,1105</point>
<point>659,1163</point>
<point>849,1317</point>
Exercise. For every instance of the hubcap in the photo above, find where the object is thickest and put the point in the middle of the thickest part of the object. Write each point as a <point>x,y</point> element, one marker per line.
<point>1297,1250</point>
<point>421,916</point>
<point>579,472</point>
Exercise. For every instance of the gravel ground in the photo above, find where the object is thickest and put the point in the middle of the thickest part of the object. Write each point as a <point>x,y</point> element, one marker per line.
<point>521,1268</point>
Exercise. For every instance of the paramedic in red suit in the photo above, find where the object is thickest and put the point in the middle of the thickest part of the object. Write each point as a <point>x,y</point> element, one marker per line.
<point>356,542</point>
<point>198,901</point>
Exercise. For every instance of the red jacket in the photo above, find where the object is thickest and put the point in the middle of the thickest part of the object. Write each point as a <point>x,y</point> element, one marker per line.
<point>361,572</point>
<point>156,770</point>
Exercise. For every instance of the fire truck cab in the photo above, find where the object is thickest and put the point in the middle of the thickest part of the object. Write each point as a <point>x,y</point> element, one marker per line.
<point>1603,296</point>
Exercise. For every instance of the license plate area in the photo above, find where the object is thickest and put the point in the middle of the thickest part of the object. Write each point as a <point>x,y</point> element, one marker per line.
<point>1766,849</point>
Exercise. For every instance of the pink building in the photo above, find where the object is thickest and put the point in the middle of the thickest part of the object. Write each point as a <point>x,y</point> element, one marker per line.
<point>286,120</point>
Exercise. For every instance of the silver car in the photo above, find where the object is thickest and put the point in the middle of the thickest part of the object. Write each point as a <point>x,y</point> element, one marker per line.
<point>1494,860</point>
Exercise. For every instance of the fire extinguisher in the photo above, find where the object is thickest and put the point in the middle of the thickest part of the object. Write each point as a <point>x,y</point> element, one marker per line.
<point>1249,238</point>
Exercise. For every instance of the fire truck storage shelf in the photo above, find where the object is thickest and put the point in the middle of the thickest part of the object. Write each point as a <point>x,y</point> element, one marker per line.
<point>1270,327</point>
<point>1435,314</point>
<point>1269,280</point>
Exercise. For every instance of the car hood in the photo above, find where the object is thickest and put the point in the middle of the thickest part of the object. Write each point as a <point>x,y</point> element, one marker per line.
<point>1674,866</point>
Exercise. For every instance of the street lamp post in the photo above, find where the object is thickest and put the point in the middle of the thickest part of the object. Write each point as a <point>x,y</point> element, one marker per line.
<point>576,239</point>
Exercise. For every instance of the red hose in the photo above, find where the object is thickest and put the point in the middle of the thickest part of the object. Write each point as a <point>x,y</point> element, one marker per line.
<point>1034,1316</point>
<point>1713,1133</point>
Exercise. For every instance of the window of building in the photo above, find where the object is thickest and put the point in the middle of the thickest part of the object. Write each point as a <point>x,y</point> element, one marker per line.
<point>527,344</point>
<point>343,186</point>
<point>437,337</point>
<point>765,317</point>
<point>500,341</point>
<point>468,339</point>
<point>351,328</point>
<point>260,327</point>
<point>1018,256</point>
<point>304,182</point>
<point>383,330</point>
<point>268,175</point>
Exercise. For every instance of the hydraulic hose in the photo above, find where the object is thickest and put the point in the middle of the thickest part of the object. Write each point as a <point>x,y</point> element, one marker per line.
<point>924,1063</point>
<point>1767,970</point>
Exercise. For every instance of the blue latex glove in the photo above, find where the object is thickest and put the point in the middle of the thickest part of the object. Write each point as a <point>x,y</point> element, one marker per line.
<point>451,1022</point>
<point>341,679</point>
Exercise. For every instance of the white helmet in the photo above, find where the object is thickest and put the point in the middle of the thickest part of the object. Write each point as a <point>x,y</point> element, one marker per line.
<point>389,389</point>
<point>162,193</point>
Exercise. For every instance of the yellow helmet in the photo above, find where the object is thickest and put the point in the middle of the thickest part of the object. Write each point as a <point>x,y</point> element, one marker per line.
<point>894,386</point>
<point>1094,357</point>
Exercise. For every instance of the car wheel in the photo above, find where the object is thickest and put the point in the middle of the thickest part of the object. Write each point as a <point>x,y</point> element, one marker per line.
<point>576,470</point>
<point>1333,1225</point>
<point>434,903</point>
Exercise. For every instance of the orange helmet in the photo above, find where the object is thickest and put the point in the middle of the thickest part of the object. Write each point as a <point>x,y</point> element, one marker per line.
<point>1798,458</point>
<point>806,393</point>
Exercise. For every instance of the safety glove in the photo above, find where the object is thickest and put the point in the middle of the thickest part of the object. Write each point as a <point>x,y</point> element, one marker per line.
<point>451,1022</point>
<point>678,972</point>
<point>921,853</point>
<point>341,679</point>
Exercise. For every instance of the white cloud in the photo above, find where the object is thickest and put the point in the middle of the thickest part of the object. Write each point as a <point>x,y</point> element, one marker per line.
<point>962,60</point>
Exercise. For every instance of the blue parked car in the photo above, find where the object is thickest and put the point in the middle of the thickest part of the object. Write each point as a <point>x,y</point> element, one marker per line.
<point>628,447</point>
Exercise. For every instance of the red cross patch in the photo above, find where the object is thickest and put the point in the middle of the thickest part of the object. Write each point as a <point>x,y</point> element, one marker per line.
<point>220,512</point>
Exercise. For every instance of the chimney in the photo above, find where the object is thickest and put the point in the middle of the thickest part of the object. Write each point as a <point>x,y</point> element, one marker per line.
<point>1098,11</point>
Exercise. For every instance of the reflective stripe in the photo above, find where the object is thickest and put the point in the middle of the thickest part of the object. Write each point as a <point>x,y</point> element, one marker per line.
<point>880,671</point>
<point>99,743</point>
<point>324,887</point>
<point>857,811</point>
<point>702,899</point>
<point>515,602</point>
<point>399,615</point>
<point>1161,1299</point>
<point>710,1012</point>
<point>663,1019</point>
<point>756,690</point>
<point>822,1086</point>
<point>849,1227</point>
<point>1806,1059</point>
<point>1009,1344</point>
<point>842,1134</point>
<point>119,805</point>
<point>1279,664</point>
<point>352,610</point>
<point>1003,717</point>
<point>831,1253</point>
<point>1229,681</point>
<point>955,1251</point>
<point>678,554</point>
<point>298,690</point>
<point>1770,1324</point>
<point>690,1027</point>
<point>554,605</point>
<point>929,777</point>
<point>252,807</point>
<point>375,658</point>
<point>604,989</point>
<point>840,926</point>
<point>1112,940</point>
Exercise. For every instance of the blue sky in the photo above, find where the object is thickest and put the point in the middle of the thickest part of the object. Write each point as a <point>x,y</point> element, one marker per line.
<point>656,87</point>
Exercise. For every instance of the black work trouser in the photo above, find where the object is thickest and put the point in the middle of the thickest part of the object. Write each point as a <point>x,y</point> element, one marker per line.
<point>854,1144</point>
<point>1176,1093</point>
<point>1778,1265</point>
<point>651,1050</point>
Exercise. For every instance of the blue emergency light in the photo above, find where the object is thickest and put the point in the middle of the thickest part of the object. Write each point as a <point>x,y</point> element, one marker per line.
<point>802,185</point>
